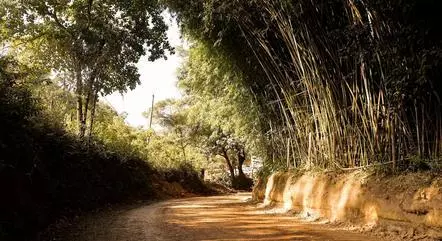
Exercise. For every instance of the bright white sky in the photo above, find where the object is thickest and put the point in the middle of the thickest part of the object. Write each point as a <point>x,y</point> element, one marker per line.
<point>157,78</point>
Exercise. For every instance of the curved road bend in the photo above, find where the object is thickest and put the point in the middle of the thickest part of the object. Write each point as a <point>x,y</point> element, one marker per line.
<point>204,218</point>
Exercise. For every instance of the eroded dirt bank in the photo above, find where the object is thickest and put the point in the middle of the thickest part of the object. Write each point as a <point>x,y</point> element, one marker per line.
<point>405,207</point>
<point>204,218</point>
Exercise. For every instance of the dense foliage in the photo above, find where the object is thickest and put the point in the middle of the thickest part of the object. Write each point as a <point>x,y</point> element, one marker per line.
<point>300,84</point>
<point>46,172</point>
<point>197,140</point>
<point>93,44</point>
<point>56,59</point>
<point>338,84</point>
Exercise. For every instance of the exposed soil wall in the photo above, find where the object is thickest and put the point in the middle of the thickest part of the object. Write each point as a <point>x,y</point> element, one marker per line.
<point>413,199</point>
<point>258,192</point>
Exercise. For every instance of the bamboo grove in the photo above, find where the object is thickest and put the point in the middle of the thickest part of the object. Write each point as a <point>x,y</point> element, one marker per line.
<point>340,84</point>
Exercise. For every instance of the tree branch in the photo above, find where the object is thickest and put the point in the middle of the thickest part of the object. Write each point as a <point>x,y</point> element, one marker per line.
<point>89,10</point>
<point>58,22</point>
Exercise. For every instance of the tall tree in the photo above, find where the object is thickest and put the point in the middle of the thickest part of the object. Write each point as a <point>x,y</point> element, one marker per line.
<point>97,42</point>
<point>183,119</point>
<point>221,143</point>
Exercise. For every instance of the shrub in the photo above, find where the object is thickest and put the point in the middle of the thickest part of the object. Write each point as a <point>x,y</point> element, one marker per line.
<point>46,173</point>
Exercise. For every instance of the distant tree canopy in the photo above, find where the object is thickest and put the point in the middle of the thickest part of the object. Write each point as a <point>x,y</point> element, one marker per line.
<point>187,126</point>
<point>94,43</point>
<point>337,84</point>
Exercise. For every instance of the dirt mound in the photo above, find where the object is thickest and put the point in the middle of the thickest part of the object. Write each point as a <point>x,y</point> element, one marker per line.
<point>183,182</point>
<point>219,188</point>
<point>410,205</point>
<point>258,192</point>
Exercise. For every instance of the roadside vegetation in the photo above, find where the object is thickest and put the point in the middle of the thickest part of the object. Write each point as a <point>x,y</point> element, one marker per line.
<point>335,85</point>
<point>62,150</point>
<point>300,85</point>
<point>47,171</point>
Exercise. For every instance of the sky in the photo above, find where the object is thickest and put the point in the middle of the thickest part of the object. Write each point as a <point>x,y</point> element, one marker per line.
<point>158,78</point>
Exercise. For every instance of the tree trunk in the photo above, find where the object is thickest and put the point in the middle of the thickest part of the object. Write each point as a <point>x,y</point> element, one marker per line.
<point>229,165</point>
<point>80,113</point>
<point>183,148</point>
<point>241,160</point>
<point>83,106</point>
<point>90,99</point>
<point>181,142</point>
<point>91,122</point>
<point>85,113</point>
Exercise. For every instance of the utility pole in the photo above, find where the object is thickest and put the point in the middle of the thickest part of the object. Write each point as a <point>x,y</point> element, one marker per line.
<point>151,111</point>
<point>151,117</point>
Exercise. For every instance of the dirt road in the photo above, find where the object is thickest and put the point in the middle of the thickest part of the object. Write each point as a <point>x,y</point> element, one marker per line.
<point>203,218</point>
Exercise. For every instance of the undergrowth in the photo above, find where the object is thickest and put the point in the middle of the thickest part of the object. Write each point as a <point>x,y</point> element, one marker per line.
<point>47,173</point>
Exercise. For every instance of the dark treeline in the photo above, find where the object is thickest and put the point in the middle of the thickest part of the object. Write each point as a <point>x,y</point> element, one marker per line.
<point>48,173</point>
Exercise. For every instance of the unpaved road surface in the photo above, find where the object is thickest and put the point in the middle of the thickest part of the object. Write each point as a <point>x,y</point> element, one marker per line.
<point>204,218</point>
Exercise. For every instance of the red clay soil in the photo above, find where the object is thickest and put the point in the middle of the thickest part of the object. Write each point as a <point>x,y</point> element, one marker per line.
<point>229,217</point>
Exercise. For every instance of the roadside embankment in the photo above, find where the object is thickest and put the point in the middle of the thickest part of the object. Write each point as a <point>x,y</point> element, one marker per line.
<point>405,205</point>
